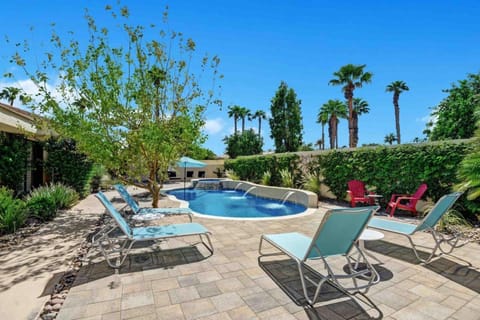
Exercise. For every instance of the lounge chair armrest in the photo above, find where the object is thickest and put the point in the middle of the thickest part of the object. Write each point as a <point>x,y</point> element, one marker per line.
<point>396,195</point>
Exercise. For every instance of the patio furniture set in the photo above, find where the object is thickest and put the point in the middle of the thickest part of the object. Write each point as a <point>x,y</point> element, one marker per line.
<point>340,234</point>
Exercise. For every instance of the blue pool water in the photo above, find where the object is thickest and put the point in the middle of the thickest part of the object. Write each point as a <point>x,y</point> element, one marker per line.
<point>233,204</point>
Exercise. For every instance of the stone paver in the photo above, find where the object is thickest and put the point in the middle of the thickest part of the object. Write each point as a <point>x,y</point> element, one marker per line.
<point>178,281</point>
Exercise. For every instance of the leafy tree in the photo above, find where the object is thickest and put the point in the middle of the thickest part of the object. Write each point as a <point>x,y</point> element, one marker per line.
<point>243,113</point>
<point>360,107</point>
<point>334,109</point>
<point>322,118</point>
<point>351,77</point>
<point>455,115</point>
<point>390,138</point>
<point>12,93</point>
<point>260,115</point>
<point>234,112</point>
<point>397,87</point>
<point>197,152</point>
<point>134,107</point>
<point>286,120</point>
<point>244,144</point>
<point>306,147</point>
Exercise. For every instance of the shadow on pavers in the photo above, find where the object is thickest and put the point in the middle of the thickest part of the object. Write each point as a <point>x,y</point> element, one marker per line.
<point>332,303</point>
<point>463,274</point>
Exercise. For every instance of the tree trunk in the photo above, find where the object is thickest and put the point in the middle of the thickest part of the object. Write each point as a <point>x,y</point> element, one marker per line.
<point>259,127</point>
<point>396,96</point>
<point>322,146</point>
<point>355,127</point>
<point>351,133</point>
<point>235,119</point>
<point>332,131</point>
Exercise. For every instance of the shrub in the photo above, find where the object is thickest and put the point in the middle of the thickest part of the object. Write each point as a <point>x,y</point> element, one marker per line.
<point>312,182</point>
<point>12,211</point>
<point>63,196</point>
<point>41,205</point>
<point>266,178</point>
<point>14,153</point>
<point>287,178</point>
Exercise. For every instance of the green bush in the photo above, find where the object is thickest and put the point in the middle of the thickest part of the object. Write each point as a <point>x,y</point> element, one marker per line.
<point>12,211</point>
<point>312,182</point>
<point>68,166</point>
<point>287,178</point>
<point>14,152</point>
<point>266,178</point>
<point>63,196</point>
<point>42,206</point>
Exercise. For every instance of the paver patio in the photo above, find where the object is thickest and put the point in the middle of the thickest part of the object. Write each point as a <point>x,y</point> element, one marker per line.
<point>183,282</point>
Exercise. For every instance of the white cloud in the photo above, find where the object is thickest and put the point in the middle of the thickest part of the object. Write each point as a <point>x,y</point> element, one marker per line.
<point>427,119</point>
<point>29,87</point>
<point>214,126</point>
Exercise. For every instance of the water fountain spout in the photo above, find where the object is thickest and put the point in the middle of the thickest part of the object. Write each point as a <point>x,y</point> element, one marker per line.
<point>246,192</point>
<point>238,185</point>
<point>287,195</point>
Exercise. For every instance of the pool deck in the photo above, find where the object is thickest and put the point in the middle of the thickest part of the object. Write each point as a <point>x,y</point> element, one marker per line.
<point>183,282</point>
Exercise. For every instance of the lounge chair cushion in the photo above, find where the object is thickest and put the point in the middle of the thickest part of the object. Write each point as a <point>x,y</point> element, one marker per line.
<point>168,231</point>
<point>294,243</point>
<point>393,226</point>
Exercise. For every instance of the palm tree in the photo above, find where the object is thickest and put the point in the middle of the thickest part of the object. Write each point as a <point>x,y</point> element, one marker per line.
<point>350,77</point>
<point>335,109</point>
<point>360,107</point>
<point>397,87</point>
<point>260,115</point>
<point>322,118</point>
<point>234,111</point>
<point>390,138</point>
<point>10,94</point>
<point>242,114</point>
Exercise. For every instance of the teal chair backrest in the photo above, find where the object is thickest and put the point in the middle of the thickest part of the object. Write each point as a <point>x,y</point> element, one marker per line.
<point>115,214</point>
<point>127,197</point>
<point>440,208</point>
<point>338,231</point>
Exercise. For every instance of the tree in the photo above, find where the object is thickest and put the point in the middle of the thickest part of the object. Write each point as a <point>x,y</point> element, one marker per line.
<point>134,107</point>
<point>397,87</point>
<point>334,110</point>
<point>322,118</point>
<point>360,107</point>
<point>260,115</point>
<point>455,116</point>
<point>234,112</point>
<point>10,94</point>
<point>243,113</point>
<point>390,138</point>
<point>243,144</point>
<point>351,77</point>
<point>286,120</point>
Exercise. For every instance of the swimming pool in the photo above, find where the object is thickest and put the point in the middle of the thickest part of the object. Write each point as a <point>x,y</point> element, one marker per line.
<point>235,204</point>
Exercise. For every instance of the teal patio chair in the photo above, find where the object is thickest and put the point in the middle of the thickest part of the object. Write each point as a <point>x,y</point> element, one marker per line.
<point>123,244</point>
<point>337,235</point>
<point>427,224</point>
<point>149,213</point>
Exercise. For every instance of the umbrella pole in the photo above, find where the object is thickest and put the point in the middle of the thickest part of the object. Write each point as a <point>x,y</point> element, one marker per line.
<point>184,180</point>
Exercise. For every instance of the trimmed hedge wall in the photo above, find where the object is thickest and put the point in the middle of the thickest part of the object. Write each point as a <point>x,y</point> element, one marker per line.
<point>398,169</point>
<point>395,169</point>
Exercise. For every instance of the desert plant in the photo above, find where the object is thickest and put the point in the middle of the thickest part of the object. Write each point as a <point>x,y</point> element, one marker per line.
<point>63,196</point>
<point>312,182</point>
<point>41,205</point>
<point>287,178</point>
<point>266,178</point>
<point>232,175</point>
<point>12,211</point>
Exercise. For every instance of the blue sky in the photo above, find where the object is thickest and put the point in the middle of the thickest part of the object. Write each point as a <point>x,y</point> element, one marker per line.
<point>427,44</point>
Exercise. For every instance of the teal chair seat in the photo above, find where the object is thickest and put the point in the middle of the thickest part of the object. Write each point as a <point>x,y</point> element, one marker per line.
<point>131,235</point>
<point>337,235</point>
<point>140,213</point>
<point>445,244</point>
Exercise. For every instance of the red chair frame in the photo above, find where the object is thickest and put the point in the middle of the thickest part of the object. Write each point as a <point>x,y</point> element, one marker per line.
<point>358,193</point>
<point>407,202</point>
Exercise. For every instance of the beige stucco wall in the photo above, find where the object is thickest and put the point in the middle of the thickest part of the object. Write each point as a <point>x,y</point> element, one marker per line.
<point>212,165</point>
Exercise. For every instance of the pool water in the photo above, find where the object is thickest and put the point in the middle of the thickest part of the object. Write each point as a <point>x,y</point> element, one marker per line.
<point>235,204</point>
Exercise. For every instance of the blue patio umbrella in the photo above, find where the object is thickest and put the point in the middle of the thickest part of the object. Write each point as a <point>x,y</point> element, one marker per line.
<point>186,162</point>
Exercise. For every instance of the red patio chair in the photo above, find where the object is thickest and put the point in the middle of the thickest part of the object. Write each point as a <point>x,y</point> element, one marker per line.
<point>358,193</point>
<point>407,202</point>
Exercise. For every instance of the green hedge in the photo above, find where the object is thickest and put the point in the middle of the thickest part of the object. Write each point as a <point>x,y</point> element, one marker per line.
<point>395,169</point>
<point>14,151</point>
<point>68,166</point>
<point>252,168</point>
